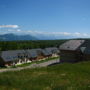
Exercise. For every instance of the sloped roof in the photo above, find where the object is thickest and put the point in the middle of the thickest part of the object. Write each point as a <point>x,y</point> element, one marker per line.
<point>46,53</point>
<point>71,44</point>
<point>86,47</point>
<point>32,53</point>
<point>52,50</point>
<point>39,51</point>
<point>11,55</point>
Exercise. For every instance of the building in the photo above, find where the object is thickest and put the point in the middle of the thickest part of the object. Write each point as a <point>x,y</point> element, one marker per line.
<point>15,57</point>
<point>53,50</point>
<point>12,57</point>
<point>40,54</point>
<point>32,54</point>
<point>72,51</point>
<point>85,49</point>
<point>46,53</point>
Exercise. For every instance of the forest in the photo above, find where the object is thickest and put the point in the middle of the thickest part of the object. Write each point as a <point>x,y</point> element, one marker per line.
<point>32,44</point>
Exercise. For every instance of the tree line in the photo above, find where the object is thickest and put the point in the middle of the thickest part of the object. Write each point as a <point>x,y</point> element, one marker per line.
<point>16,45</point>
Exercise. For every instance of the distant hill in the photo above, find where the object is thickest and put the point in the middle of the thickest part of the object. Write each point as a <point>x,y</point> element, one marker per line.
<point>13,37</point>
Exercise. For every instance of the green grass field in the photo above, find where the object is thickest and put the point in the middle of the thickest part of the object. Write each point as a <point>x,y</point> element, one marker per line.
<point>57,77</point>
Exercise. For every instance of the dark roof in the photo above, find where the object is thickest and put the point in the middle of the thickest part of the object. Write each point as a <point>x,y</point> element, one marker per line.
<point>71,44</point>
<point>39,51</point>
<point>11,55</point>
<point>32,53</point>
<point>45,52</point>
<point>85,47</point>
<point>53,50</point>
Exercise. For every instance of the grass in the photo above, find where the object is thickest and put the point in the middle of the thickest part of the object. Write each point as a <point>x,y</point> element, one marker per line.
<point>48,59</point>
<point>37,62</point>
<point>57,77</point>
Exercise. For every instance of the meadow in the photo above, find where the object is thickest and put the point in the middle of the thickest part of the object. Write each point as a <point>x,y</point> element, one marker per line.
<point>64,76</point>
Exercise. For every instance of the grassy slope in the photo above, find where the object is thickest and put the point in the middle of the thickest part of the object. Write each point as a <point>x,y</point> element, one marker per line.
<point>57,77</point>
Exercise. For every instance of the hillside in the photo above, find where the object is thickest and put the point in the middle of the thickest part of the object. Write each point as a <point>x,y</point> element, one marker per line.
<point>57,77</point>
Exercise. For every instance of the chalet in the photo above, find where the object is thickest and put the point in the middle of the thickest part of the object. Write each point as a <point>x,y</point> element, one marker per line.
<point>22,56</point>
<point>71,51</point>
<point>46,53</point>
<point>32,54</point>
<point>40,54</point>
<point>13,57</point>
<point>54,51</point>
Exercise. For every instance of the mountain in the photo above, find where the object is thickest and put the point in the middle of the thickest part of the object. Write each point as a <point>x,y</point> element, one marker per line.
<point>13,37</point>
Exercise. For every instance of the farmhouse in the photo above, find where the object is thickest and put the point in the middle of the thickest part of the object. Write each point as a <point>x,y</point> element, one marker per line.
<point>72,51</point>
<point>13,57</point>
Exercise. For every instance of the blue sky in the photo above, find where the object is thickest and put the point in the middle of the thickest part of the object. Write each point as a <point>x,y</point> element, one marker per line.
<point>62,17</point>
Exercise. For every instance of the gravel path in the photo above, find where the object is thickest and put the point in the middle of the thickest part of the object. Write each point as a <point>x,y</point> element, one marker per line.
<point>44,64</point>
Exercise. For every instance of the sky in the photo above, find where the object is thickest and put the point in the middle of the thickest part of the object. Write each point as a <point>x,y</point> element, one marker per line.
<point>59,17</point>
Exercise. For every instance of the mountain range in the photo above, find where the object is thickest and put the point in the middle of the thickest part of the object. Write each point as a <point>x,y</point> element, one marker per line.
<point>13,37</point>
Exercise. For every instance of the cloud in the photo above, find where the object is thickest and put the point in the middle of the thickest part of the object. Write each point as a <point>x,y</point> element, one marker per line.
<point>75,34</point>
<point>62,33</point>
<point>15,29</point>
<point>78,34</point>
<point>49,33</point>
<point>9,26</point>
<point>18,30</point>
